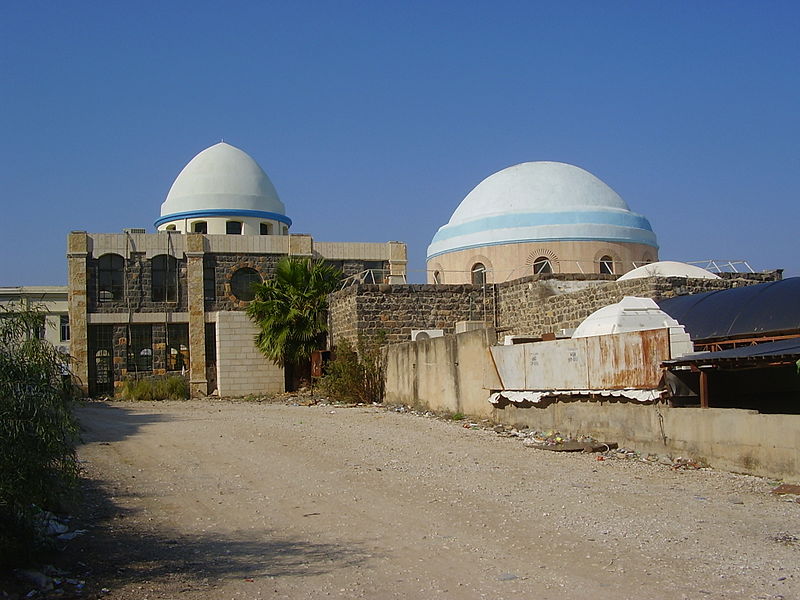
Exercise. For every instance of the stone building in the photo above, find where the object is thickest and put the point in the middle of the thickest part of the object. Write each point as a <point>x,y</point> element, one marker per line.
<point>172,302</point>
<point>539,218</point>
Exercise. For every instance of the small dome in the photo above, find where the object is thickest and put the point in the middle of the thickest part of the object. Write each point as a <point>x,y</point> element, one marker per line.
<point>629,314</point>
<point>668,268</point>
<point>222,180</point>
<point>541,201</point>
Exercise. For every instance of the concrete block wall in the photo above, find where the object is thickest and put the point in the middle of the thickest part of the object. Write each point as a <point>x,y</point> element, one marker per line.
<point>241,368</point>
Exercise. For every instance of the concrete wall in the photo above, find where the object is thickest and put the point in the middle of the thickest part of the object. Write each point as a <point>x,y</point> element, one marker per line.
<point>443,374</point>
<point>455,374</point>
<point>742,441</point>
<point>241,368</point>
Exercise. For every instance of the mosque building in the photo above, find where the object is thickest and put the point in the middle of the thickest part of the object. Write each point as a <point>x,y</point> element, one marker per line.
<point>539,218</point>
<point>173,301</point>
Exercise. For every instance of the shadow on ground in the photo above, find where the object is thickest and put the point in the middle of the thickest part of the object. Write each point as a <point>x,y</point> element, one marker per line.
<point>118,422</point>
<point>123,548</point>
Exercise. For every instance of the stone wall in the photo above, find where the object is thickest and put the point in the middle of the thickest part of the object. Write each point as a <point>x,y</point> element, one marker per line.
<point>388,313</point>
<point>530,306</point>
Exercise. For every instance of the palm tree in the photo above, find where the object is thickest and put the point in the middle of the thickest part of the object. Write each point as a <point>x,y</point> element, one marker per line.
<point>290,311</point>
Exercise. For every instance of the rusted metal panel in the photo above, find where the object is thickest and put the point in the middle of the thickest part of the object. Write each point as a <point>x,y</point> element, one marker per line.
<point>556,365</point>
<point>510,362</point>
<point>627,360</point>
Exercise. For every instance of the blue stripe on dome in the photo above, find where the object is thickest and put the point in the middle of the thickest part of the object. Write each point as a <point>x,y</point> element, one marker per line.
<point>621,219</point>
<point>525,241</point>
<point>192,214</point>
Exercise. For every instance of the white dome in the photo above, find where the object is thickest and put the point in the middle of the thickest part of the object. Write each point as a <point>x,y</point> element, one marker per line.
<point>668,268</point>
<point>629,314</point>
<point>541,201</point>
<point>222,181</point>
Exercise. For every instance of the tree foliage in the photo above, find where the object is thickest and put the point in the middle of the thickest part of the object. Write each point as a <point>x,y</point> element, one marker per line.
<point>290,310</point>
<point>38,464</point>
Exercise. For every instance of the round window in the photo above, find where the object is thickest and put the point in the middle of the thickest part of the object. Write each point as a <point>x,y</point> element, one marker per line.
<point>242,283</point>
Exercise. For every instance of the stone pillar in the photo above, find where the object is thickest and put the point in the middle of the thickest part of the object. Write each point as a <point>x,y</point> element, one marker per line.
<point>195,249</point>
<point>300,244</point>
<point>77,281</point>
<point>398,260</point>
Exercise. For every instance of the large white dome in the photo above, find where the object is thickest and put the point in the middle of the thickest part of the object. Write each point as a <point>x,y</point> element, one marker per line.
<point>222,181</point>
<point>541,201</point>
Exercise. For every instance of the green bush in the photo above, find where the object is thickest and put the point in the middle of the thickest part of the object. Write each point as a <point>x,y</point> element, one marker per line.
<point>38,433</point>
<point>153,388</point>
<point>355,376</point>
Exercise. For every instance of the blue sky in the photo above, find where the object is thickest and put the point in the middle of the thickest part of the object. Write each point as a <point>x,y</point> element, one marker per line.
<point>375,119</point>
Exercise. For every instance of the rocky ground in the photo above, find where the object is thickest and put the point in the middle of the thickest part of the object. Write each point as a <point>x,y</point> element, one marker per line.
<point>217,499</point>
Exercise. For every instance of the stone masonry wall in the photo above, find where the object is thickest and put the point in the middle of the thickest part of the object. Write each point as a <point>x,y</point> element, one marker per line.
<point>388,313</point>
<point>530,306</point>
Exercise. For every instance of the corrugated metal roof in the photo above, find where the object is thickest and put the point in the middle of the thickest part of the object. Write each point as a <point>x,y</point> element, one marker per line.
<point>788,350</point>
<point>751,310</point>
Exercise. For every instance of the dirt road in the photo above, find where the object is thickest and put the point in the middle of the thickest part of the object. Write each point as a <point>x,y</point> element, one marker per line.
<point>241,500</point>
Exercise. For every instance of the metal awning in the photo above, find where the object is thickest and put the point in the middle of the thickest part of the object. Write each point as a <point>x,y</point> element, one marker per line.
<point>769,353</point>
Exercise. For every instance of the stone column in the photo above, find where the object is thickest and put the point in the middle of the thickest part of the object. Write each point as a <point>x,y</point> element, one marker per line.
<point>77,254</point>
<point>195,249</point>
<point>398,260</point>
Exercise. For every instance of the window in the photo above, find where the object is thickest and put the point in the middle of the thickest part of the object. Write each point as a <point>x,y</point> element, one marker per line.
<point>178,347</point>
<point>607,265</point>
<point>211,343</point>
<point>542,265</point>
<point>233,227</point>
<point>140,348</point>
<point>110,274</point>
<point>437,277</point>
<point>266,228</point>
<point>200,227</point>
<point>170,228</point>
<point>209,280</point>
<point>64,327</point>
<point>242,283</point>
<point>164,278</point>
<point>478,274</point>
<point>374,271</point>
<point>285,229</point>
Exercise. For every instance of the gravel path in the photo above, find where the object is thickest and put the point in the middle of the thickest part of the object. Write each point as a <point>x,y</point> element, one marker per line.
<point>207,499</point>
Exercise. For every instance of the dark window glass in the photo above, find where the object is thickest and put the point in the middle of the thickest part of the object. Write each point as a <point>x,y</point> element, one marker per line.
<point>64,323</point>
<point>542,265</point>
<point>607,265</point>
<point>200,227</point>
<point>266,229</point>
<point>211,342</point>
<point>478,274</point>
<point>110,278</point>
<point>374,271</point>
<point>165,278</point>
<point>233,227</point>
<point>140,348</point>
<point>177,347</point>
<point>242,283</point>
<point>209,280</point>
<point>101,348</point>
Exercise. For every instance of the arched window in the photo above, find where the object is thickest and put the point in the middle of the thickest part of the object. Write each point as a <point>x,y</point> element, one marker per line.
<point>170,228</point>
<point>542,265</point>
<point>607,265</point>
<point>110,278</point>
<point>266,228</point>
<point>200,227</point>
<point>242,283</point>
<point>233,227</point>
<point>437,277</point>
<point>164,281</point>
<point>478,272</point>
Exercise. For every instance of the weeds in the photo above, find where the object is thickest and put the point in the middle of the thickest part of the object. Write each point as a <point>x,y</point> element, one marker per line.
<point>151,388</point>
<point>355,376</point>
